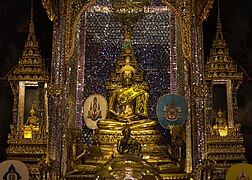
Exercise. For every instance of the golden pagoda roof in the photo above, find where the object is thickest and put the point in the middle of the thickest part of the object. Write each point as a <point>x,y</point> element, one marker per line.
<point>30,66</point>
<point>127,57</point>
<point>220,65</point>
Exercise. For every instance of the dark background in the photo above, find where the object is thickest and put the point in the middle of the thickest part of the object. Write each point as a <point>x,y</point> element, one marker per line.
<point>236,20</point>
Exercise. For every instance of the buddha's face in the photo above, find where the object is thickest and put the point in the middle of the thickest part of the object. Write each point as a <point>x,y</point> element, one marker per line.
<point>219,114</point>
<point>127,77</point>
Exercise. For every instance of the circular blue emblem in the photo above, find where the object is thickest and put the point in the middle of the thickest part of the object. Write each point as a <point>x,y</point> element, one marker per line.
<point>171,110</point>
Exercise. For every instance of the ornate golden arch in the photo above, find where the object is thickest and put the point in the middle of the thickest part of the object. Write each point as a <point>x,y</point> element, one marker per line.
<point>183,9</point>
<point>71,27</point>
<point>184,30</point>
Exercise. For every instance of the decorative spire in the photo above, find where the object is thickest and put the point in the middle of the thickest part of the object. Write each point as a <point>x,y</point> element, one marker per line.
<point>31,36</point>
<point>220,65</point>
<point>30,65</point>
<point>243,175</point>
<point>219,42</point>
<point>126,60</point>
<point>219,34</point>
<point>31,10</point>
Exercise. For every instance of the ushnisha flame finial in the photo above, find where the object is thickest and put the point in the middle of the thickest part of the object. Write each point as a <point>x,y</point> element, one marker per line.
<point>127,66</point>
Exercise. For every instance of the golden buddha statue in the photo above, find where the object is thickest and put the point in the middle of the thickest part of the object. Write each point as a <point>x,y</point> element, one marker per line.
<point>220,124</point>
<point>128,145</point>
<point>128,102</point>
<point>127,129</point>
<point>76,163</point>
<point>32,124</point>
<point>32,119</point>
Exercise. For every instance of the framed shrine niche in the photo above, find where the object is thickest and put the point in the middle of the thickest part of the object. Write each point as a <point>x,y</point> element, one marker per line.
<point>32,100</point>
<point>222,100</point>
<point>28,97</point>
<point>157,43</point>
<point>219,99</point>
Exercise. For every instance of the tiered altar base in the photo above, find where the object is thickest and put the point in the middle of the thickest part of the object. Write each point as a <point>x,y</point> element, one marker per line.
<point>152,151</point>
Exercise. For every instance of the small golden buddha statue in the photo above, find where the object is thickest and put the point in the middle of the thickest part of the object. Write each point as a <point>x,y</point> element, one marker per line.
<point>127,104</point>
<point>221,124</point>
<point>32,120</point>
<point>76,163</point>
<point>128,145</point>
<point>32,124</point>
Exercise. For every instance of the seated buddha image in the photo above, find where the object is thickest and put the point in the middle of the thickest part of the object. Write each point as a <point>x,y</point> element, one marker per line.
<point>127,131</point>
<point>128,145</point>
<point>128,103</point>
<point>221,124</point>
<point>32,120</point>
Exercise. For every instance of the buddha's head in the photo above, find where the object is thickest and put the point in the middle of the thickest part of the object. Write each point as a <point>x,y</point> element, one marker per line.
<point>127,77</point>
<point>32,111</point>
<point>220,113</point>
<point>126,132</point>
<point>127,73</point>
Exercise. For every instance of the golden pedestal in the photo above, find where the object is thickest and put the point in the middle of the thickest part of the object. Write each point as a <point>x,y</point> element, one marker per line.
<point>28,131</point>
<point>151,150</point>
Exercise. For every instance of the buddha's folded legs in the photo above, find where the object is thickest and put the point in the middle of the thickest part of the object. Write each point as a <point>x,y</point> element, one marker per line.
<point>111,124</point>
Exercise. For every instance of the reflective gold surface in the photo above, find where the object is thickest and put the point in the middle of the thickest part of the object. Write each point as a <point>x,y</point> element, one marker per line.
<point>128,98</point>
<point>224,141</point>
<point>28,138</point>
<point>219,67</point>
<point>221,124</point>
<point>128,110</point>
<point>127,167</point>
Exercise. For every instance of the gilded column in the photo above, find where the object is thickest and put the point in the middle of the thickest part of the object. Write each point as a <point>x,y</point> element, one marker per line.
<point>197,71</point>
<point>56,93</point>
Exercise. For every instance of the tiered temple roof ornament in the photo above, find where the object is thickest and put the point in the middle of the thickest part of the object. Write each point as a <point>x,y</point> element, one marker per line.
<point>28,138</point>
<point>30,65</point>
<point>220,65</point>
<point>222,79</point>
<point>127,57</point>
<point>128,14</point>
